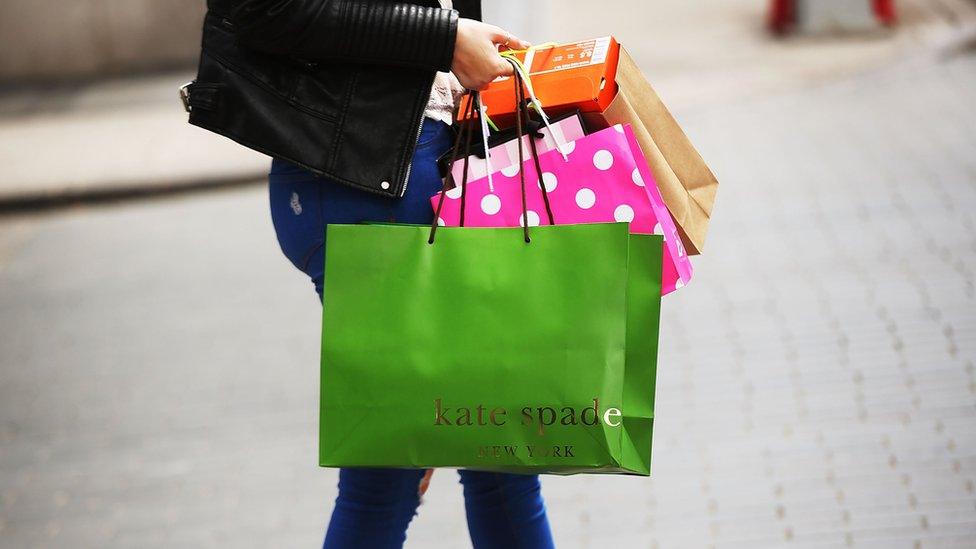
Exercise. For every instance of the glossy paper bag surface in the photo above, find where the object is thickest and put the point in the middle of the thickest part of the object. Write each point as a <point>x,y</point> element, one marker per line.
<point>483,351</point>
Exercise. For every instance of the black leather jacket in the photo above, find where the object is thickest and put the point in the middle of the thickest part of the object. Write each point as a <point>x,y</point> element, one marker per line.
<point>337,86</point>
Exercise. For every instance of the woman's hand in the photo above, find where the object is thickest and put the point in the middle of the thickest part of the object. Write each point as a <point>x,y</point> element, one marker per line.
<point>476,60</point>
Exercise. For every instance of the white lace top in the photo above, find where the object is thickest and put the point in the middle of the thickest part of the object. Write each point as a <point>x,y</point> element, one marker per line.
<point>445,92</point>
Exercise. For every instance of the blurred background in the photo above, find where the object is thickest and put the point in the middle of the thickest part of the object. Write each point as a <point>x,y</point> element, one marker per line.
<point>817,380</point>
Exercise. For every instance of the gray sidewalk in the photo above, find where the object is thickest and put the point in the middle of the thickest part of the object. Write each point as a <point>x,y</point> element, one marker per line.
<point>127,136</point>
<point>130,137</point>
<point>817,385</point>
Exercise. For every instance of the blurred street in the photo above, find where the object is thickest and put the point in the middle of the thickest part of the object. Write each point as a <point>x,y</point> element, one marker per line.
<point>817,379</point>
<point>128,135</point>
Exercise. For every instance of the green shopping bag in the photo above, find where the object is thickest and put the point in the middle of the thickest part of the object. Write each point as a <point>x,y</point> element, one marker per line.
<point>485,352</point>
<point>643,323</point>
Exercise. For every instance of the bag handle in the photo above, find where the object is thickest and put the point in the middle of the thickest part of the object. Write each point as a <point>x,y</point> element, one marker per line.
<point>534,150</point>
<point>522,110</point>
<point>464,133</point>
<point>536,104</point>
<point>519,67</point>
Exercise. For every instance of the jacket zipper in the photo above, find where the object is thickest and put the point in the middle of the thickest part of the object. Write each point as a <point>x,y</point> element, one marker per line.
<point>420,125</point>
<point>416,141</point>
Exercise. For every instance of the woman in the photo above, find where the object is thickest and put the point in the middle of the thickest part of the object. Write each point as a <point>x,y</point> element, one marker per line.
<point>354,100</point>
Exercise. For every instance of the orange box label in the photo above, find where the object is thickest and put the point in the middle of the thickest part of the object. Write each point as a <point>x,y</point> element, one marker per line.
<point>568,56</point>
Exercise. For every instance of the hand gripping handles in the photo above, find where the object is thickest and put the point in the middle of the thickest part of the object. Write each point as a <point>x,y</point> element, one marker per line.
<point>465,136</point>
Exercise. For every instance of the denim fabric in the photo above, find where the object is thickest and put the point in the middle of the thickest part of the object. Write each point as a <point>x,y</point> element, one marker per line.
<point>303,204</point>
<point>375,506</point>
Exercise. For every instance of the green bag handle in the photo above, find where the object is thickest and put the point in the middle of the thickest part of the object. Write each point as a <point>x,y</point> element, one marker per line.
<point>465,134</point>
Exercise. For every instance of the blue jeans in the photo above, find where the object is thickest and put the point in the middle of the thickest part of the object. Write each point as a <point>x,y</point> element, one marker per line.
<point>375,506</point>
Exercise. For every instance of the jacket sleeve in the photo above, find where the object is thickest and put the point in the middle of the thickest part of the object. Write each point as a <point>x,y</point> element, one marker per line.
<point>360,31</point>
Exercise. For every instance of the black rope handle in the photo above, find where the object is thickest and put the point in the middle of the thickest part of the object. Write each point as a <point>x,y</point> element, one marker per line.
<point>534,149</point>
<point>474,104</point>
<point>538,169</point>
<point>519,132</point>
<point>466,132</point>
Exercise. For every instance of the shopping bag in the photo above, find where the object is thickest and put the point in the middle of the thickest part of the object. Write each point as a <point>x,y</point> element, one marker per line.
<point>601,79</point>
<point>686,183</point>
<point>605,179</point>
<point>640,371</point>
<point>489,348</point>
<point>503,147</point>
<point>484,352</point>
<point>600,177</point>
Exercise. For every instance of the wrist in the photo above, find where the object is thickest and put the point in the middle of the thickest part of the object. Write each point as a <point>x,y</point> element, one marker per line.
<point>447,61</point>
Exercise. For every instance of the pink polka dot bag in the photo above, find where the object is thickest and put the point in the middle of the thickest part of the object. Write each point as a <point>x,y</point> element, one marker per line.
<point>506,154</point>
<point>598,178</point>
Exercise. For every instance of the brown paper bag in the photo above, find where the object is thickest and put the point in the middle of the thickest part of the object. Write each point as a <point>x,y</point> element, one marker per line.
<point>686,183</point>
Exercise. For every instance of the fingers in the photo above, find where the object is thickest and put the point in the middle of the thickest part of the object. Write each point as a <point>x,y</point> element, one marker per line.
<point>519,44</point>
<point>476,61</point>
<point>480,83</point>
<point>502,37</point>
<point>498,35</point>
<point>505,68</point>
<point>477,81</point>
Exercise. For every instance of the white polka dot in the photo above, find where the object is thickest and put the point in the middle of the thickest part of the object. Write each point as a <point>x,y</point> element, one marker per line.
<point>679,284</point>
<point>567,147</point>
<point>454,193</point>
<point>623,214</point>
<point>385,185</point>
<point>619,128</point>
<point>603,160</point>
<point>637,177</point>
<point>491,204</point>
<point>510,171</point>
<point>549,179</point>
<point>585,198</point>
<point>533,219</point>
<point>440,222</point>
<point>658,229</point>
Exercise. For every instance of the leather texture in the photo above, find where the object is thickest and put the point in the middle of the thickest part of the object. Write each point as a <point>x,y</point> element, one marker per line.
<point>338,87</point>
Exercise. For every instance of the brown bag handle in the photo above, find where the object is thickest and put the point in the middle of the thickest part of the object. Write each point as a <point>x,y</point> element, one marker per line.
<point>523,110</point>
<point>466,132</point>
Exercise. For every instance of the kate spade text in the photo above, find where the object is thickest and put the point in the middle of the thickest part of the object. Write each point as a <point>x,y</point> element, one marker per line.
<point>539,416</point>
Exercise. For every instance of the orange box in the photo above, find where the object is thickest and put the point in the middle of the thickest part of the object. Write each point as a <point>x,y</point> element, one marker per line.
<point>565,77</point>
